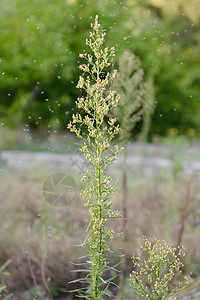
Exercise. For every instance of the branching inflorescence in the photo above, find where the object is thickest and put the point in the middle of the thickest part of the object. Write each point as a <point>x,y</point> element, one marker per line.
<point>155,269</point>
<point>96,104</point>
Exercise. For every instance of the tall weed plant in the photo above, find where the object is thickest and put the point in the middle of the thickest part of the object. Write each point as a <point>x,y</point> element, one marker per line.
<point>96,102</point>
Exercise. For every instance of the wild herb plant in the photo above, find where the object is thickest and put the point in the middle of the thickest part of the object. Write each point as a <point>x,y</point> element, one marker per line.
<point>137,100</point>
<point>154,271</point>
<point>96,103</point>
<point>130,84</point>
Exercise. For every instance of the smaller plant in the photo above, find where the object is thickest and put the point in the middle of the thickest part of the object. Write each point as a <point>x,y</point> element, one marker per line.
<point>155,269</point>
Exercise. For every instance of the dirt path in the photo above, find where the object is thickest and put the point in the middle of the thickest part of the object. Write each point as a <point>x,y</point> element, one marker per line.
<point>148,162</point>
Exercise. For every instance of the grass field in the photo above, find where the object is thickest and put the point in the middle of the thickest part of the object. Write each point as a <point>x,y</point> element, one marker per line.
<point>41,239</point>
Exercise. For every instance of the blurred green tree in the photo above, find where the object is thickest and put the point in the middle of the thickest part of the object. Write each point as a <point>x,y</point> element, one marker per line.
<point>40,42</point>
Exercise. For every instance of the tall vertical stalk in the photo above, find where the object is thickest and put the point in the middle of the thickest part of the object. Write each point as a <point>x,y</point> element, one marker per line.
<point>96,104</point>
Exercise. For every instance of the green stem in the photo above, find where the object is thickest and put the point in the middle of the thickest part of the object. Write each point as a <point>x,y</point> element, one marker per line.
<point>96,291</point>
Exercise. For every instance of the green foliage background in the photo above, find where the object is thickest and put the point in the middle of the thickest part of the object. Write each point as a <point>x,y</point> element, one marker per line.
<point>40,42</point>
